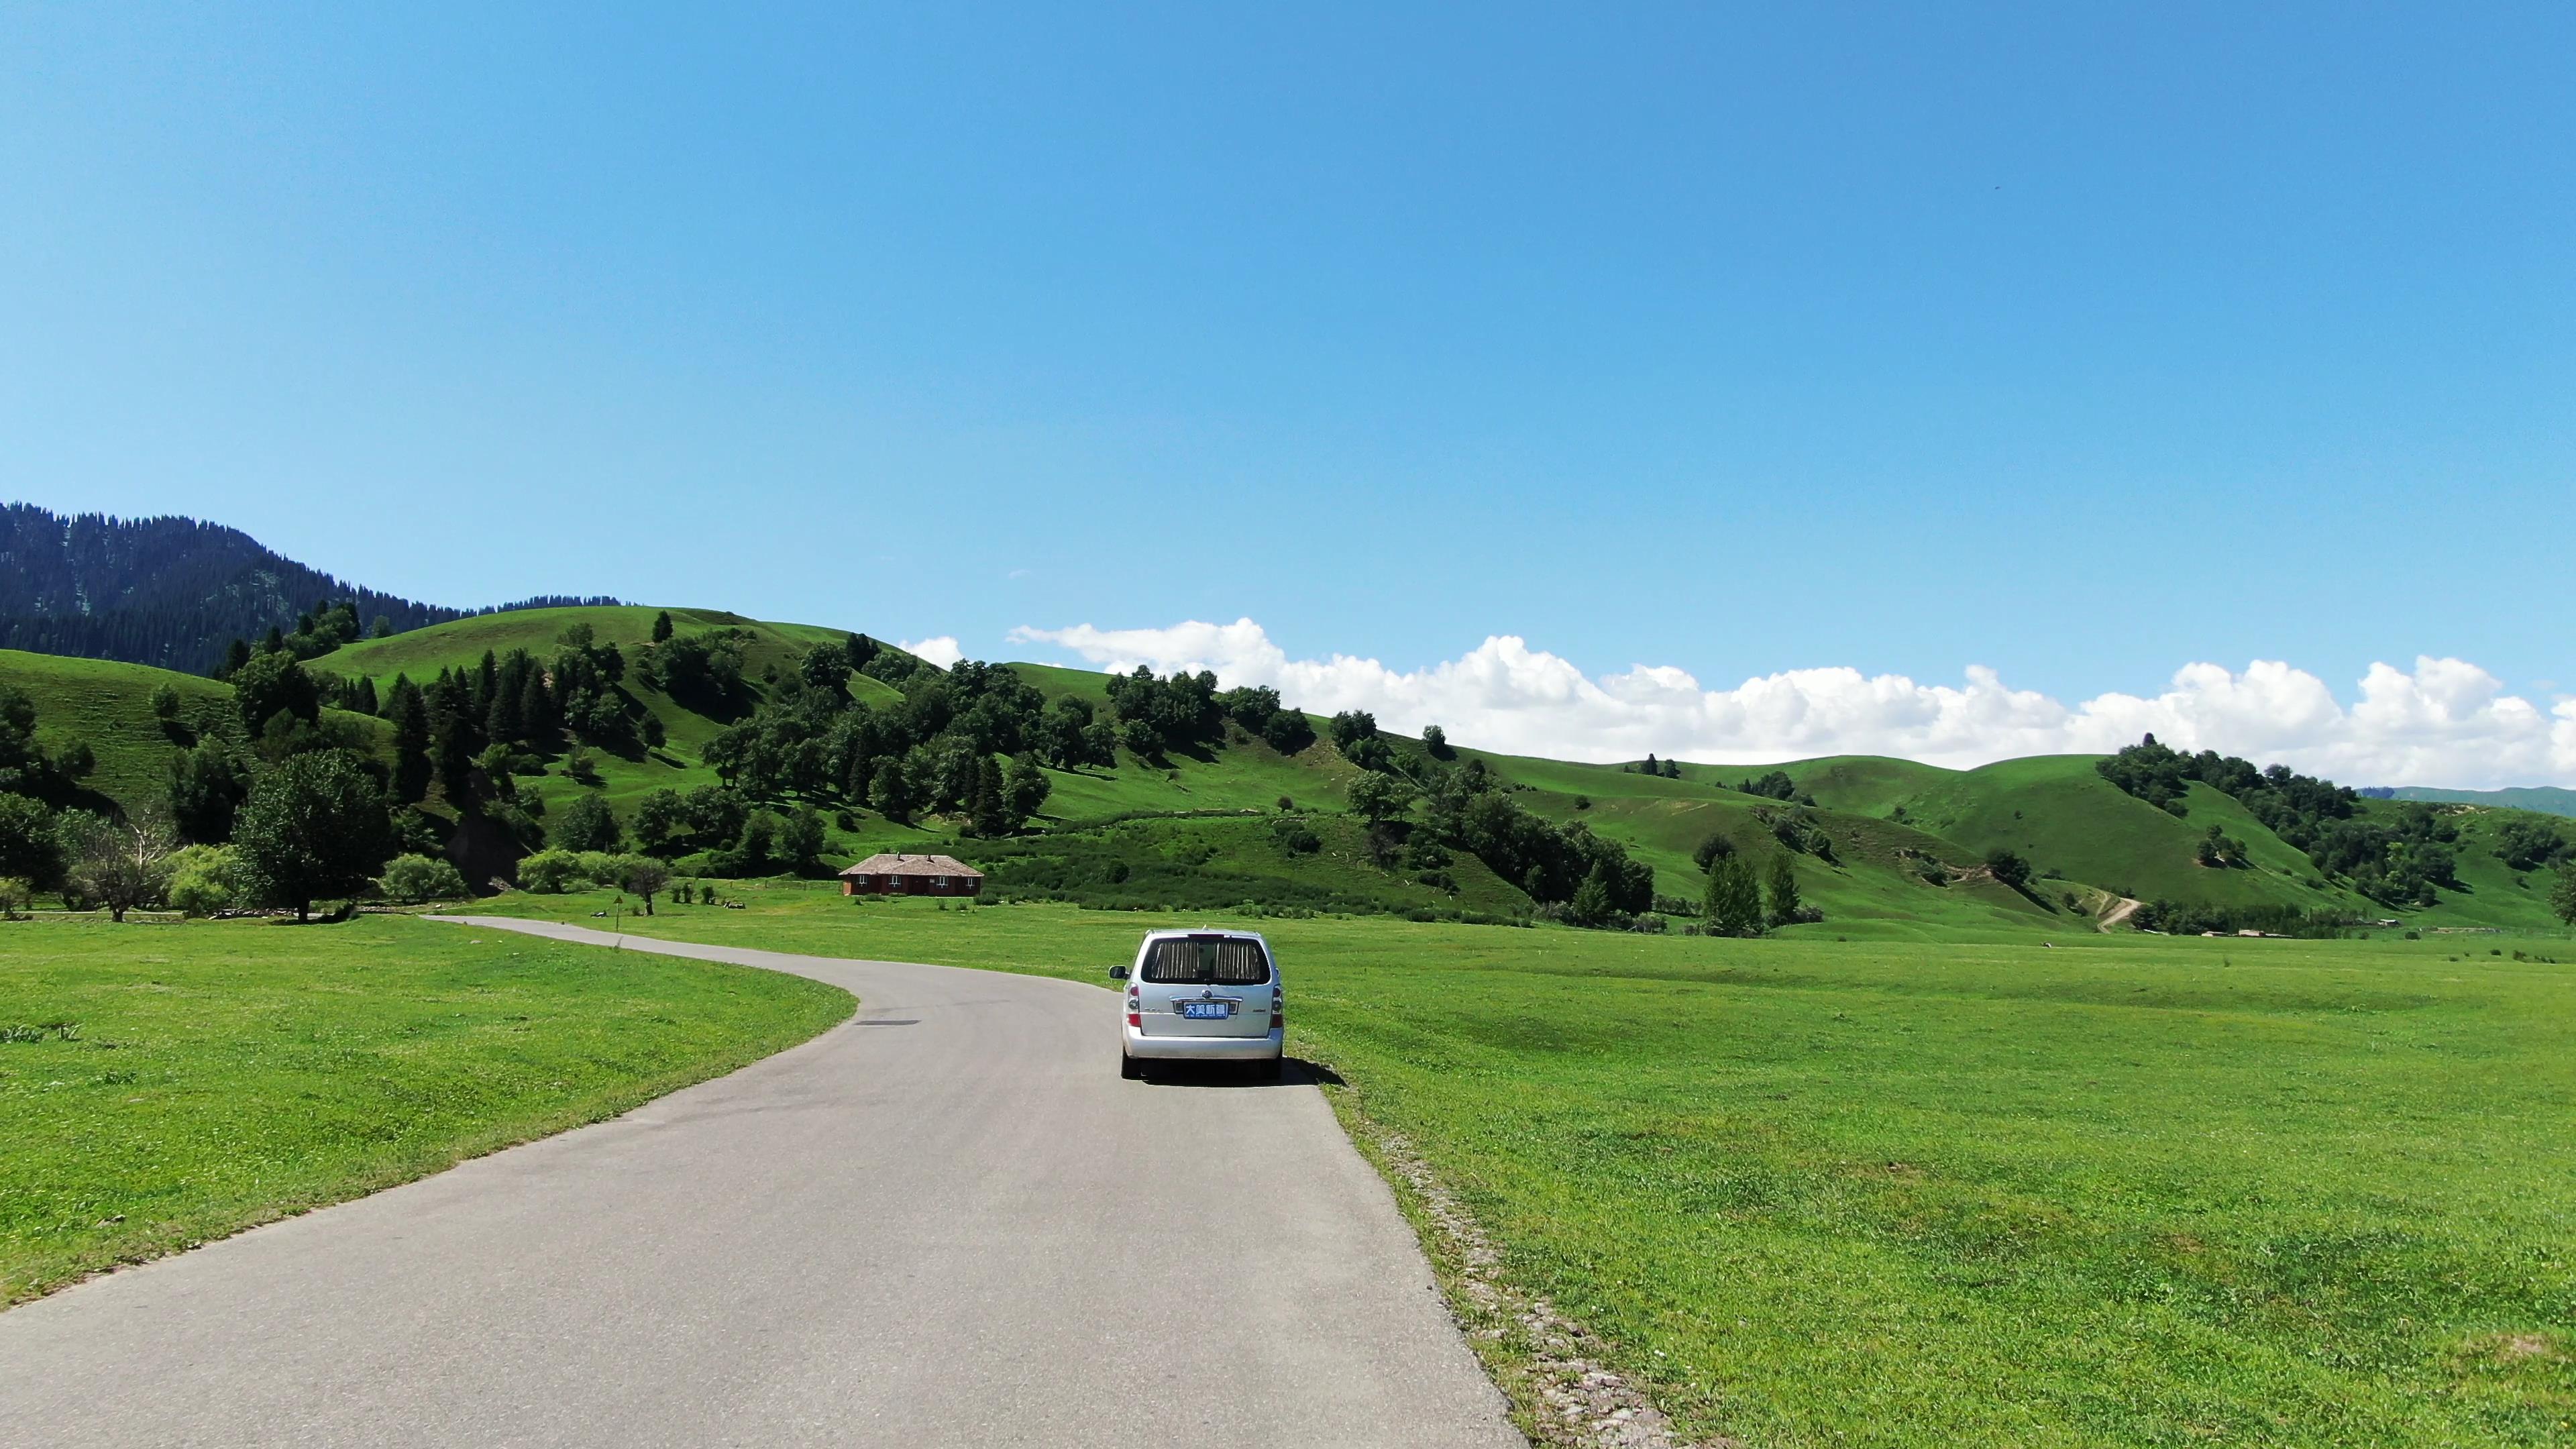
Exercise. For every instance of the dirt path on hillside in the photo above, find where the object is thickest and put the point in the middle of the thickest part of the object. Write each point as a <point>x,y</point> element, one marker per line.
<point>2121,912</point>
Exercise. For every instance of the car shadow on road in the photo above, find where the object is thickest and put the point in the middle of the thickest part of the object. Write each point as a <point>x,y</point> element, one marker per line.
<point>1294,1072</point>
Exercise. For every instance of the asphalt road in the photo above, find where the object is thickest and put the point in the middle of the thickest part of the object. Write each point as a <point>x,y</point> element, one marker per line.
<point>946,1222</point>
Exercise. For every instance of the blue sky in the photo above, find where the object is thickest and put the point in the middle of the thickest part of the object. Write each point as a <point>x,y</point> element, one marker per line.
<point>2077,343</point>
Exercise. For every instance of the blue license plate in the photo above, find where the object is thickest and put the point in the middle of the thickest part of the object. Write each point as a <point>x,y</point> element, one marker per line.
<point>1207,1010</point>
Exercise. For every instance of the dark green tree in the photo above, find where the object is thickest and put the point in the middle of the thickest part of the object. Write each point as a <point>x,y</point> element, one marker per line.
<point>1352,726</point>
<point>661,626</point>
<point>1591,903</point>
<point>408,713</point>
<point>1435,742</point>
<point>207,787</point>
<point>2562,896</point>
<point>801,838</point>
<point>272,684</point>
<point>1711,850</point>
<point>661,821</point>
<point>825,667</point>
<point>587,824</point>
<point>1380,798</point>
<point>30,850</point>
<point>891,791</point>
<point>1027,788</point>
<point>1732,903</point>
<point>988,804</point>
<point>2008,868</point>
<point>1784,907</point>
<point>314,827</point>
<point>757,850</point>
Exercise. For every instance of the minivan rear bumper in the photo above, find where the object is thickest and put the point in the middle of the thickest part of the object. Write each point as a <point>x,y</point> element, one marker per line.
<point>1205,1048</point>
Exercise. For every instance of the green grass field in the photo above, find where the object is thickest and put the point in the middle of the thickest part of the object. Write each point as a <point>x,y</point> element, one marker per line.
<point>214,1075</point>
<point>2118,1191</point>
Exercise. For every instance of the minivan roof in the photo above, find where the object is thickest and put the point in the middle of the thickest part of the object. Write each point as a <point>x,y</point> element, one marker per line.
<point>1170,933</point>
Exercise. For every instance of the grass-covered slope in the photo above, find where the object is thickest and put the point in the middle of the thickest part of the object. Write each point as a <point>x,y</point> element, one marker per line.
<point>2060,814</point>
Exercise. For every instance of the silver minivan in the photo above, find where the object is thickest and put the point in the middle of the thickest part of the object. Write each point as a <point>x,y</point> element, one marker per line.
<point>1202,996</point>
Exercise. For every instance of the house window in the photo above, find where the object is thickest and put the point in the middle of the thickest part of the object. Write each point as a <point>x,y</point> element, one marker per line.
<point>939,882</point>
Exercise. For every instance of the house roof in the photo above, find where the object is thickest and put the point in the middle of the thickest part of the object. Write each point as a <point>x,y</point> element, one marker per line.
<point>913,865</point>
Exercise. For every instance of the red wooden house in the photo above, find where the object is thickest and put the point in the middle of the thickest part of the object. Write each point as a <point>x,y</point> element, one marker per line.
<point>912,875</point>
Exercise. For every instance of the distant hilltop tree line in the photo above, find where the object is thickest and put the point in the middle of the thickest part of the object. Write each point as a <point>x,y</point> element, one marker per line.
<point>2403,857</point>
<point>171,592</point>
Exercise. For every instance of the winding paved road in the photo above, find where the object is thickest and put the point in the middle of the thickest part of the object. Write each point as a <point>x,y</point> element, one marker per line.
<point>946,1222</point>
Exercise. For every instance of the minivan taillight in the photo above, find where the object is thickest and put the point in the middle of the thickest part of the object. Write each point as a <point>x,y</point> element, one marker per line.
<point>1278,1011</point>
<point>1135,1010</point>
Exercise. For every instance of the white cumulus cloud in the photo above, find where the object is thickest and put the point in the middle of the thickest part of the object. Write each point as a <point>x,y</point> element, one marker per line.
<point>2446,722</point>
<point>940,649</point>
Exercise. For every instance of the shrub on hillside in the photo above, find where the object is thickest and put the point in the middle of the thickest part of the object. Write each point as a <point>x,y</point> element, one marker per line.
<point>413,879</point>
<point>549,872</point>
<point>205,879</point>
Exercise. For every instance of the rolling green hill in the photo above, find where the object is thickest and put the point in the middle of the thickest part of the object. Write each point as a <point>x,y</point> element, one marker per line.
<point>2547,799</point>
<point>1885,847</point>
<point>108,706</point>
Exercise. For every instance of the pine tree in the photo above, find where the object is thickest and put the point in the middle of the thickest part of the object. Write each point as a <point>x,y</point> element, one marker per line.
<point>1785,907</point>
<point>408,712</point>
<point>661,626</point>
<point>988,808</point>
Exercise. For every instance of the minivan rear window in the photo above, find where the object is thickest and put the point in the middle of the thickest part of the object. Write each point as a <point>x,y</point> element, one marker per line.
<point>1206,961</point>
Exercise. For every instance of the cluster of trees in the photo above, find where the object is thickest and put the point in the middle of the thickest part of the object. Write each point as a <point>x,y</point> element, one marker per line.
<point>2403,859</point>
<point>1184,711</point>
<point>2221,851</point>
<point>313,824</point>
<point>940,751</point>
<point>468,729</point>
<point>1741,901</point>
<point>2175,919</point>
<point>2532,845</point>
<point>1666,769</point>
<point>1465,807</point>
<point>1775,786</point>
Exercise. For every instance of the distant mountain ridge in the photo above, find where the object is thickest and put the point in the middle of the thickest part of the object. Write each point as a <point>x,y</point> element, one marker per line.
<point>166,591</point>
<point>2547,799</point>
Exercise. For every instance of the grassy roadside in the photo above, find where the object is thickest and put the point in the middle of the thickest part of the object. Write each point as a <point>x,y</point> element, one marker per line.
<point>163,1085</point>
<point>2121,1191</point>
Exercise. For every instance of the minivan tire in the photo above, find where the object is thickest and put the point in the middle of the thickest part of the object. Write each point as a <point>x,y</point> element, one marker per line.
<point>1129,1069</point>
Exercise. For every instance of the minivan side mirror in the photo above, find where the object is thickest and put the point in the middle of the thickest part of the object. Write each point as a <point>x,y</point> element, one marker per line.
<point>1117,973</point>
